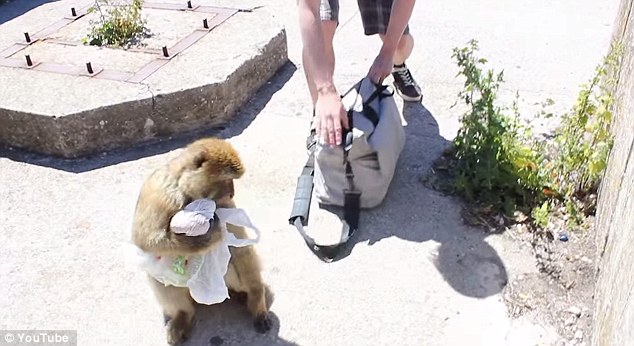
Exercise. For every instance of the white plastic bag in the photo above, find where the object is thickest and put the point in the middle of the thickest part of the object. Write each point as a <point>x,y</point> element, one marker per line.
<point>203,275</point>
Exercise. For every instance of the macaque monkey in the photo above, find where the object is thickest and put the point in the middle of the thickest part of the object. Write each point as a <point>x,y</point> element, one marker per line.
<point>205,169</point>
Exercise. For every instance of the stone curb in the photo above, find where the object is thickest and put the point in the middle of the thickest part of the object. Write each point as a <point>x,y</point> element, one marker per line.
<point>155,116</point>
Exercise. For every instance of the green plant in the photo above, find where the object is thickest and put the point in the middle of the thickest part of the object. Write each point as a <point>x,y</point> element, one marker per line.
<point>494,164</point>
<point>498,165</point>
<point>583,140</point>
<point>117,24</point>
<point>541,214</point>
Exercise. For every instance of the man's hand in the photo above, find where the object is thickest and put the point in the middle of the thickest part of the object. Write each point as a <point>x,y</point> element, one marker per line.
<point>330,118</point>
<point>381,68</point>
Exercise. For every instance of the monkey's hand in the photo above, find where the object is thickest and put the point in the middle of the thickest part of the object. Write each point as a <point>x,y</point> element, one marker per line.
<point>183,243</point>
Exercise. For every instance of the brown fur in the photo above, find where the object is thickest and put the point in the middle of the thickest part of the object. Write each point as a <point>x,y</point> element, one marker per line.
<point>204,169</point>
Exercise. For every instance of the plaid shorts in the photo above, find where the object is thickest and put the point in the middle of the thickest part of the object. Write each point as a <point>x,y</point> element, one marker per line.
<point>375,14</point>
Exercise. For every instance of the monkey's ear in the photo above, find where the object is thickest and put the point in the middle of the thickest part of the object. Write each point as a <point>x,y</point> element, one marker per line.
<point>200,158</point>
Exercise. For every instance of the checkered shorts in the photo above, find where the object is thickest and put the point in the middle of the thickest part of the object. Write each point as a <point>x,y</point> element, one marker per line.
<point>375,14</point>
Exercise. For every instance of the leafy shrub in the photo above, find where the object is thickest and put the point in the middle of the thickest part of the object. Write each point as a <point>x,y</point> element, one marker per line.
<point>117,25</point>
<point>495,166</point>
<point>583,140</point>
<point>498,165</point>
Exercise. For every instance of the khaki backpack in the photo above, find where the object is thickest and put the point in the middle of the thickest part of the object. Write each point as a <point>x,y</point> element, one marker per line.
<point>357,174</point>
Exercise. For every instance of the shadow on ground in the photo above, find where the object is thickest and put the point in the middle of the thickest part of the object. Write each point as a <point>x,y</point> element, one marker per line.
<point>415,213</point>
<point>239,122</point>
<point>229,323</point>
<point>11,9</point>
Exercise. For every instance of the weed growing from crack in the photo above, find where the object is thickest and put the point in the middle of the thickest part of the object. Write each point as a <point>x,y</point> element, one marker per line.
<point>117,25</point>
<point>583,141</point>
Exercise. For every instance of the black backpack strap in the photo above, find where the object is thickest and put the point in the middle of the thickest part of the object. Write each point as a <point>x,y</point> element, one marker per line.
<point>368,112</point>
<point>352,196</point>
<point>303,193</point>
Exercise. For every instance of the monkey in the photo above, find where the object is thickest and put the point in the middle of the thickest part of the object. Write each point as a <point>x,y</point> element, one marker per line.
<point>205,168</point>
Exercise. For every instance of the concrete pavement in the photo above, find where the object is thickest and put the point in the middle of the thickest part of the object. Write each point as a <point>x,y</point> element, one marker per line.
<point>416,275</point>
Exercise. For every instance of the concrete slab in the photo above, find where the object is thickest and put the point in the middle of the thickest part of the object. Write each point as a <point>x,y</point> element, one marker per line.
<point>415,276</point>
<point>72,115</point>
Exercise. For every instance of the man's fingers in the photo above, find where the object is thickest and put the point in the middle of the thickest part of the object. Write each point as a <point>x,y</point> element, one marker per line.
<point>338,132</point>
<point>331,131</point>
<point>318,131</point>
<point>344,119</point>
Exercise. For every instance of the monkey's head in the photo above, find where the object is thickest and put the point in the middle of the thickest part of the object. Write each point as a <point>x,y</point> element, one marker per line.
<point>206,169</point>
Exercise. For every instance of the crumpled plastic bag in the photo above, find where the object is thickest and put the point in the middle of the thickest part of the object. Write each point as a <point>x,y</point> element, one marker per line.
<point>195,218</point>
<point>203,275</point>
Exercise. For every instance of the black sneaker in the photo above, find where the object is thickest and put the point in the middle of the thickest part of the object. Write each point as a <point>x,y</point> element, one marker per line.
<point>405,84</point>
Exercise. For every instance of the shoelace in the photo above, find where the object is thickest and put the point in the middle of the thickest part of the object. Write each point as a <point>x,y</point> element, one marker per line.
<point>406,76</point>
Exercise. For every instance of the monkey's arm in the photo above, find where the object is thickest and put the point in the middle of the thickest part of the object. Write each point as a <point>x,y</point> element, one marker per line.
<point>151,232</point>
<point>158,239</point>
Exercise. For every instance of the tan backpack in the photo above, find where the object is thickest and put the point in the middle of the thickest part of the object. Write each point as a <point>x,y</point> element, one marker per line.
<point>357,174</point>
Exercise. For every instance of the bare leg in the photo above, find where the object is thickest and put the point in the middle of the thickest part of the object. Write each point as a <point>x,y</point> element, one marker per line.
<point>404,48</point>
<point>404,82</point>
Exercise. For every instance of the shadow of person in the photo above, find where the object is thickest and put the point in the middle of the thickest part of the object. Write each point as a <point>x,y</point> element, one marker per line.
<point>415,213</point>
<point>229,323</point>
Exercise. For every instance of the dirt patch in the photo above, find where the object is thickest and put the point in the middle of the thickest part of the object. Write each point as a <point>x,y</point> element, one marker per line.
<point>561,295</point>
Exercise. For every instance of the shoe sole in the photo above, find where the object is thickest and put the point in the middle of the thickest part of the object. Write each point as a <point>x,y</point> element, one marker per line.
<point>408,98</point>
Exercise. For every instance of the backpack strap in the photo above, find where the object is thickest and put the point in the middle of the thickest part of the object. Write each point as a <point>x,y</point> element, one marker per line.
<point>379,92</point>
<point>352,196</point>
<point>301,208</point>
<point>301,211</point>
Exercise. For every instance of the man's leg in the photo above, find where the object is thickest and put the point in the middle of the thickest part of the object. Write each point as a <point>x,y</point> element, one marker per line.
<point>329,12</point>
<point>404,82</point>
<point>404,49</point>
<point>375,15</point>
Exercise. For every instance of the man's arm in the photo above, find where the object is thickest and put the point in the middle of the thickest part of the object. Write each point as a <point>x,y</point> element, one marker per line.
<point>401,13</point>
<point>330,116</point>
<point>399,17</point>
<point>313,41</point>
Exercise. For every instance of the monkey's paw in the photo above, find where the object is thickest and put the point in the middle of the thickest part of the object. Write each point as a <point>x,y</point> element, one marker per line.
<point>263,323</point>
<point>177,331</point>
<point>240,297</point>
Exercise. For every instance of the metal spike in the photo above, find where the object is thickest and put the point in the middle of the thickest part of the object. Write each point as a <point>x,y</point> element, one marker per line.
<point>165,52</point>
<point>189,4</point>
<point>89,68</point>
<point>29,62</point>
<point>73,12</point>
<point>28,38</point>
<point>205,23</point>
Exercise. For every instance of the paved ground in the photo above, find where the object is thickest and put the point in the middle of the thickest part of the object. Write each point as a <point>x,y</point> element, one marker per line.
<point>416,275</point>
